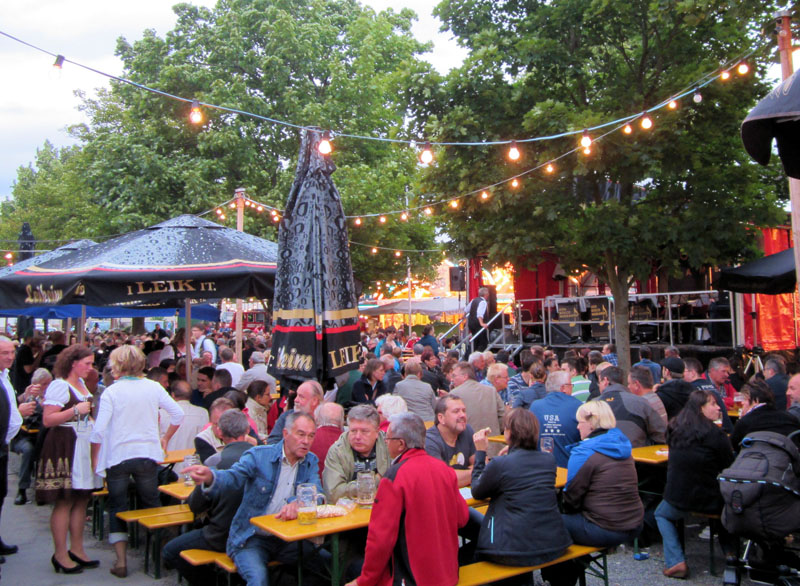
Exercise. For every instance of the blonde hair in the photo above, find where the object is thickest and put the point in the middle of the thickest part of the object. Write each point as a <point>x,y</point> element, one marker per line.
<point>127,360</point>
<point>598,414</point>
<point>494,370</point>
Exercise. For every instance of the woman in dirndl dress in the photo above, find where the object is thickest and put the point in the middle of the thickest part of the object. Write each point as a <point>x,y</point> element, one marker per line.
<point>65,477</point>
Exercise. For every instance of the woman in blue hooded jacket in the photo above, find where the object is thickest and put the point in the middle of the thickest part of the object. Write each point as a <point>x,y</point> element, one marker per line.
<point>522,526</point>
<point>602,489</point>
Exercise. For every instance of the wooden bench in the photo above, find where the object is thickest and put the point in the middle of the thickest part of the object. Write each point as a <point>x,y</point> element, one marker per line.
<point>154,525</point>
<point>487,572</point>
<point>202,557</point>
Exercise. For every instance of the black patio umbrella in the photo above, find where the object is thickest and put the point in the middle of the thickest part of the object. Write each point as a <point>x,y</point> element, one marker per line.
<point>771,275</point>
<point>776,116</point>
<point>315,316</point>
<point>183,258</point>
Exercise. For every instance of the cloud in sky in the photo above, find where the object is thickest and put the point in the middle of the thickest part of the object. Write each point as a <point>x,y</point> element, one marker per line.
<point>34,107</point>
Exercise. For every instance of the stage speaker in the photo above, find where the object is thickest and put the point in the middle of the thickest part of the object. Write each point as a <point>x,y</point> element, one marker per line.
<point>458,281</point>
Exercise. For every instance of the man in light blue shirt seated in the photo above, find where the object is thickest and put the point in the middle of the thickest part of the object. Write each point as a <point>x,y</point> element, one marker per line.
<point>269,476</point>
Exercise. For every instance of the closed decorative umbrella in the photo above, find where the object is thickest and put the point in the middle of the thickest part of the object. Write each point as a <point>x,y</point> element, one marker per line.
<point>315,311</point>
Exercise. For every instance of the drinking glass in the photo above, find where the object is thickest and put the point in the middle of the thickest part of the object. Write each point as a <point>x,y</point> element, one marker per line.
<point>365,483</point>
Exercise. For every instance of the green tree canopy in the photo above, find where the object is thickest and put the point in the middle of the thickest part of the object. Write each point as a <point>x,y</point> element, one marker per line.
<point>540,68</point>
<point>330,63</point>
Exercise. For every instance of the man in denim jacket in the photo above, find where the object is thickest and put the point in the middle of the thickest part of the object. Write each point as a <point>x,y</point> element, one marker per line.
<point>269,476</point>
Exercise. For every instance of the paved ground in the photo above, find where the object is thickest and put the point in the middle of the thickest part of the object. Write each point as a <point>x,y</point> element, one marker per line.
<point>28,527</point>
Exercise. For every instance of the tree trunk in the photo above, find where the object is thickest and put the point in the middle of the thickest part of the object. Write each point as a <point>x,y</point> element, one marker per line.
<point>619,291</point>
<point>137,325</point>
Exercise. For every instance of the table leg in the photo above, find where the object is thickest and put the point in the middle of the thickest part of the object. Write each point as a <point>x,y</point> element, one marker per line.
<point>335,563</point>
<point>300,562</point>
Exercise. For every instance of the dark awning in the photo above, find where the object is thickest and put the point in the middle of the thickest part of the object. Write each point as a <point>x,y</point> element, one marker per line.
<point>771,275</point>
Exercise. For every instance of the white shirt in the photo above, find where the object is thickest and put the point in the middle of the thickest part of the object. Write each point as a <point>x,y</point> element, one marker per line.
<point>127,421</point>
<point>14,418</point>
<point>284,486</point>
<point>194,420</point>
<point>236,370</point>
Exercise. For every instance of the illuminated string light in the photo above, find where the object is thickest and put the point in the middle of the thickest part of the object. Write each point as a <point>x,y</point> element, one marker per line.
<point>742,68</point>
<point>550,168</point>
<point>196,114</point>
<point>426,156</point>
<point>357,221</point>
<point>374,251</point>
<point>673,104</point>
<point>233,206</point>
<point>646,122</point>
<point>325,146</point>
<point>697,97</point>
<point>586,140</point>
<point>222,216</point>
<point>587,151</point>
<point>382,219</point>
<point>485,195</point>
<point>404,216</point>
<point>725,75</point>
<point>454,203</point>
<point>274,212</point>
<point>513,151</point>
<point>628,129</point>
<point>219,211</point>
<point>397,253</point>
<point>515,182</point>
<point>260,209</point>
<point>276,218</point>
<point>428,211</point>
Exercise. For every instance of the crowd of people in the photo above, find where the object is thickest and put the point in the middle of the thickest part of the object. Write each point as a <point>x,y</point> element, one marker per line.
<point>418,422</point>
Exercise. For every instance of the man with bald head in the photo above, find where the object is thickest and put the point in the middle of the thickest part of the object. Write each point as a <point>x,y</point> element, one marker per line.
<point>309,396</point>
<point>10,422</point>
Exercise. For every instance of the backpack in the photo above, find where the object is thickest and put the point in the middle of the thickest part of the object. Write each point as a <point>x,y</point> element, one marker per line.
<point>761,489</point>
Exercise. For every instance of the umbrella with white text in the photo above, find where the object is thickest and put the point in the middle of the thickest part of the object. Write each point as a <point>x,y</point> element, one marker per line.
<point>315,311</point>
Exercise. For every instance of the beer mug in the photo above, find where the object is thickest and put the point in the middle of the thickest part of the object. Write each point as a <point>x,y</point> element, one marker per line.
<point>190,460</point>
<point>307,503</point>
<point>365,485</point>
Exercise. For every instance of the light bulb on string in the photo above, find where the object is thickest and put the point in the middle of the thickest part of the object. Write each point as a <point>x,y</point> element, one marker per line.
<point>397,253</point>
<point>382,219</point>
<point>587,151</point>
<point>550,168</point>
<point>325,146</point>
<point>58,66</point>
<point>742,68</point>
<point>725,75</point>
<point>428,211</point>
<point>196,114</point>
<point>673,104</point>
<point>357,221</point>
<point>426,156</point>
<point>274,212</point>
<point>515,183</point>
<point>697,97</point>
<point>219,211</point>
<point>627,129</point>
<point>233,206</point>
<point>454,203</point>
<point>646,123</point>
<point>374,251</point>
<point>276,218</point>
<point>404,216</point>
<point>513,151</point>
<point>222,216</point>
<point>484,195</point>
<point>259,209</point>
<point>586,140</point>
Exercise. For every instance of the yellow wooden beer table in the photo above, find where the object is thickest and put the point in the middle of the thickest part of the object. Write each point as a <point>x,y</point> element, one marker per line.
<point>177,490</point>
<point>656,454</point>
<point>290,531</point>
<point>176,456</point>
<point>561,482</point>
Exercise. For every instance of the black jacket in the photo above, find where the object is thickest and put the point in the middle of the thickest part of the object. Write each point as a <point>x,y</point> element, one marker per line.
<point>362,390</point>
<point>764,418</point>
<point>674,393</point>
<point>692,472</point>
<point>523,526</point>
<point>221,508</point>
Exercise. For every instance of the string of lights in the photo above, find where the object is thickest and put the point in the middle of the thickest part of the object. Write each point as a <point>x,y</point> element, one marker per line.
<point>196,114</point>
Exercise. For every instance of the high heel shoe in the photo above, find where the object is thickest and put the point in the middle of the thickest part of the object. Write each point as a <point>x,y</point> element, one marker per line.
<point>59,568</point>
<point>119,572</point>
<point>83,563</point>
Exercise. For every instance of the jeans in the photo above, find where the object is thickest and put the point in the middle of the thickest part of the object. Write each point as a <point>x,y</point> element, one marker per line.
<point>145,474</point>
<point>252,559</point>
<point>584,532</point>
<point>26,448</point>
<point>667,517</point>
<point>469,535</point>
<point>172,556</point>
